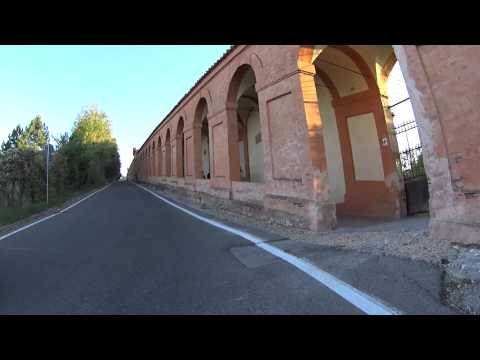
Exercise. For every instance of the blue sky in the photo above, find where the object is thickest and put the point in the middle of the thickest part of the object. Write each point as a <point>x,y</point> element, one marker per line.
<point>135,85</point>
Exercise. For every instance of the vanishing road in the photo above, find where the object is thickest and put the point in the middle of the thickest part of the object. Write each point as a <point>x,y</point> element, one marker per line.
<point>124,251</point>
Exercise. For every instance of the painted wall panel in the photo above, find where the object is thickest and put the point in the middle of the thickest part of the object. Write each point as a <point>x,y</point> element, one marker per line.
<point>367,159</point>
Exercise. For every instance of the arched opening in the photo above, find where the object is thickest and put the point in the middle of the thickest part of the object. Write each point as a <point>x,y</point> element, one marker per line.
<point>168,155</point>
<point>404,125</point>
<point>180,149</point>
<point>145,168</point>
<point>159,156</point>
<point>360,149</point>
<point>154,163</point>
<point>149,169</point>
<point>201,118</point>
<point>244,98</point>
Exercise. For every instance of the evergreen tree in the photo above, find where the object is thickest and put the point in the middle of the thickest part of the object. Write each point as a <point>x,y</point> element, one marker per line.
<point>62,140</point>
<point>13,138</point>
<point>35,135</point>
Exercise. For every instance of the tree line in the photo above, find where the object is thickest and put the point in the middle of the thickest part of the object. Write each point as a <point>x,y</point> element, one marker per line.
<point>84,158</point>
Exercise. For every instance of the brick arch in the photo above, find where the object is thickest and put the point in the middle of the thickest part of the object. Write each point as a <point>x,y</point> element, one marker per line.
<point>368,101</point>
<point>160,154</point>
<point>360,63</point>
<point>180,118</point>
<point>161,136</point>
<point>179,147</point>
<point>197,121</point>
<point>182,114</point>
<point>233,86</point>
<point>197,137</point>
<point>252,60</point>
<point>305,62</point>
<point>328,83</point>
<point>256,63</point>
<point>205,94</point>
<point>168,154</point>
<point>168,134</point>
<point>235,80</point>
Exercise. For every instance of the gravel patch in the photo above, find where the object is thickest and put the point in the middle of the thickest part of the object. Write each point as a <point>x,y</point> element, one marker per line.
<point>462,280</point>
<point>414,245</point>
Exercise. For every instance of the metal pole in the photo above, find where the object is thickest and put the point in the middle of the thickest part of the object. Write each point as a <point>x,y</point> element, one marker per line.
<point>48,155</point>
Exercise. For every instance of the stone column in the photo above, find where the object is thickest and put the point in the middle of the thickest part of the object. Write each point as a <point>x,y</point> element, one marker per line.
<point>219,150</point>
<point>164,162</point>
<point>168,159</point>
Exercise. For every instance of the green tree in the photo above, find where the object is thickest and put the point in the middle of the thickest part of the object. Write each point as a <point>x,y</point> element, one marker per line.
<point>22,177</point>
<point>90,156</point>
<point>35,135</point>
<point>13,139</point>
<point>418,168</point>
<point>87,157</point>
<point>61,140</point>
<point>57,175</point>
<point>22,169</point>
<point>92,127</point>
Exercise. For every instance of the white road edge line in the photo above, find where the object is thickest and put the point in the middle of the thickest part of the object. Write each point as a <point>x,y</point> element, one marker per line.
<point>357,298</point>
<point>53,215</point>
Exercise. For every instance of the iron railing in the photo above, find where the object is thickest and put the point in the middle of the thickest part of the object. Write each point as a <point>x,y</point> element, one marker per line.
<point>411,159</point>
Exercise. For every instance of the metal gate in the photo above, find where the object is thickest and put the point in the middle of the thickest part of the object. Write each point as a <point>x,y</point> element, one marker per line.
<point>411,159</point>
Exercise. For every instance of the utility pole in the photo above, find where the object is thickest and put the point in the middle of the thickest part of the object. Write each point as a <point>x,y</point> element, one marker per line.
<point>48,156</point>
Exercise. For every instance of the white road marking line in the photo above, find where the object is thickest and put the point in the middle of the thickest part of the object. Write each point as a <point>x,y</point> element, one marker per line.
<point>53,215</point>
<point>85,198</point>
<point>357,298</point>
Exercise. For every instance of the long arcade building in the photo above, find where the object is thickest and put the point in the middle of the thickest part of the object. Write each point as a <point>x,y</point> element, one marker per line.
<point>299,135</point>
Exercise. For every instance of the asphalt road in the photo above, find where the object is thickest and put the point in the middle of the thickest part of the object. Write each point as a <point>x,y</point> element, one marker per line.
<point>123,251</point>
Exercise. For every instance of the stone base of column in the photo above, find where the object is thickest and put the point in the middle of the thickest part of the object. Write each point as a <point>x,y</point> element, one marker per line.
<point>303,213</point>
<point>456,231</point>
<point>323,217</point>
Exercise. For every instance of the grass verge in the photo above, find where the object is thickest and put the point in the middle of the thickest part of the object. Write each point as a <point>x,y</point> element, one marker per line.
<point>12,215</point>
